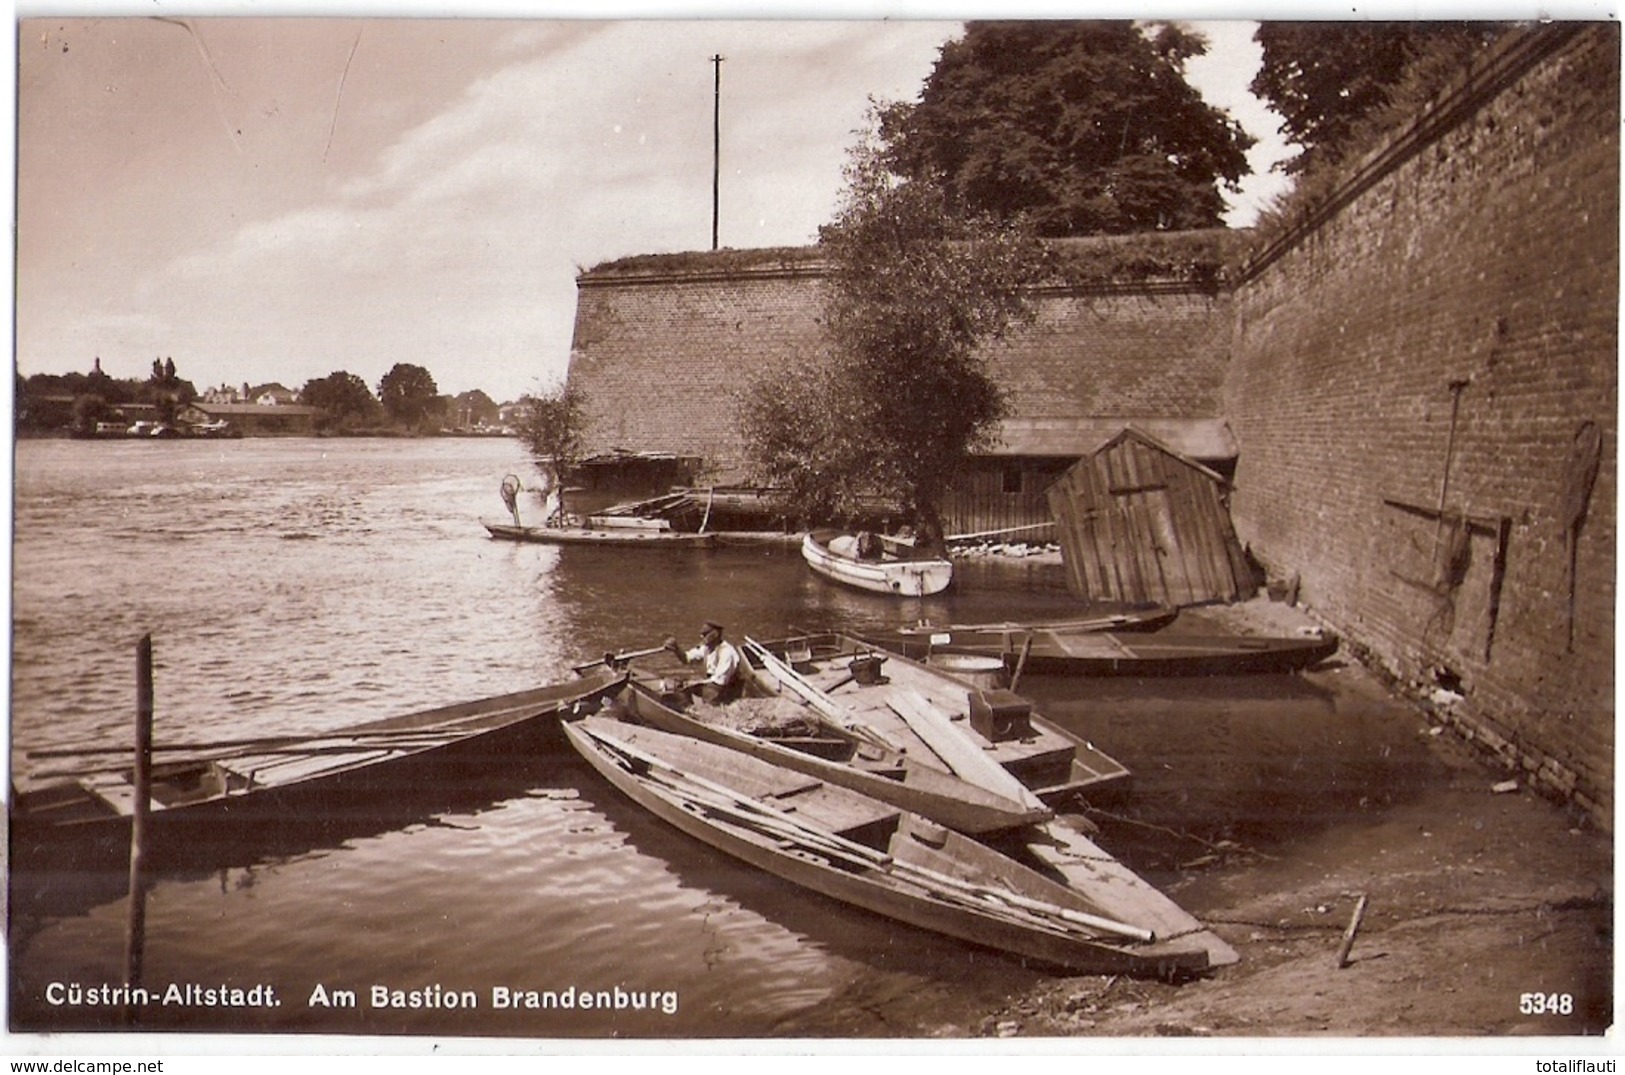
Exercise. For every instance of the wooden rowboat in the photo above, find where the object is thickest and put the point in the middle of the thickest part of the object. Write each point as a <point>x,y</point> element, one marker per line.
<point>988,736</point>
<point>847,759</point>
<point>894,570</point>
<point>216,793</point>
<point>867,853</point>
<point>1068,652</point>
<point>1139,619</point>
<point>607,535</point>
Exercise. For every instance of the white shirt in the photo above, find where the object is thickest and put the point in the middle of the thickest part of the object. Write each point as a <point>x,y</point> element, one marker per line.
<point>721,664</point>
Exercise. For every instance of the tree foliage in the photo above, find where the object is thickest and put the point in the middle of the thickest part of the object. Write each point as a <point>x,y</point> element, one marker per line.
<point>409,394</point>
<point>474,408</point>
<point>1087,128</point>
<point>917,288</point>
<point>1336,85</point>
<point>552,424</point>
<point>165,390</point>
<point>341,396</point>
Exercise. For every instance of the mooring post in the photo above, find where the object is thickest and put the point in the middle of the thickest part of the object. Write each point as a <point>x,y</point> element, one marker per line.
<point>1348,934</point>
<point>141,780</point>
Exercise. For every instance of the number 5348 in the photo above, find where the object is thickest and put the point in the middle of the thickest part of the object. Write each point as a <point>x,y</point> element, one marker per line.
<point>1546,1003</point>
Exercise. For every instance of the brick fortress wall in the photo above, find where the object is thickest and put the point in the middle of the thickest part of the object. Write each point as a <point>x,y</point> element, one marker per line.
<point>663,342</point>
<point>1478,250</point>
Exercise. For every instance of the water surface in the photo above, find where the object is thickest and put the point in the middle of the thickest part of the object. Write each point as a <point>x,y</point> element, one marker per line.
<point>300,584</point>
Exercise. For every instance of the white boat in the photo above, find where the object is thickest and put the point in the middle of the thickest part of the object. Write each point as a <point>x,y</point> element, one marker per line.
<point>891,568</point>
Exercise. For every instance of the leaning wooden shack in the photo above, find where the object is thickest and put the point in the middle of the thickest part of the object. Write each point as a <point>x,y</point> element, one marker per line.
<point>1140,523</point>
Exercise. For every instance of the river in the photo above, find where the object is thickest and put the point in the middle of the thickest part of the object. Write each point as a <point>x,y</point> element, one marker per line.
<point>299,584</point>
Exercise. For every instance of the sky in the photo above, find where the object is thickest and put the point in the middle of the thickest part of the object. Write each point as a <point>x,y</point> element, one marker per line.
<point>279,199</point>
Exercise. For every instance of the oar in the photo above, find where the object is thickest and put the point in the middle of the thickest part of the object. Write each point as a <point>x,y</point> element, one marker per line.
<point>818,699</point>
<point>781,824</point>
<point>301,752</point>
<point>265,744</point>
<point>613,659</point>
<point>1021,663</point>
<point>652,765</point>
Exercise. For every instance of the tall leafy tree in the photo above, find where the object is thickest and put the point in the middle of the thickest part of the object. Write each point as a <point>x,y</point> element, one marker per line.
<point>917,288</point>
<point>408,393</point>
<point>166,390</point>
<point>474,408</point>
<point>1334,82</point>
<point>341,396</point>
<point>553,424</point>
<point>1086,128</point>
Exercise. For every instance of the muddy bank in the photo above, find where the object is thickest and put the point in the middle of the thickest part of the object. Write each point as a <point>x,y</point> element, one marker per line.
<point>1268,807</point>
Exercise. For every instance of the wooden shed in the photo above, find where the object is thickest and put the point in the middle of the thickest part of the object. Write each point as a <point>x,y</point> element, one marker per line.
<point>1142,524</point>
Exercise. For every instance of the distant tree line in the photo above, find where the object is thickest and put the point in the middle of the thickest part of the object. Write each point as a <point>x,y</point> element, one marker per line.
<point>407,400</point>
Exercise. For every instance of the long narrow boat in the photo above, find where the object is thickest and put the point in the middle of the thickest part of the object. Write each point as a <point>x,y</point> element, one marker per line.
<point>1137,619</point>
<point>847,759</point>
<point>910,704</point>
<point>604,535</point>
<point>1068,652</point>
<point>893,569</point>
<point>867,853</point>
<point>210,793</point>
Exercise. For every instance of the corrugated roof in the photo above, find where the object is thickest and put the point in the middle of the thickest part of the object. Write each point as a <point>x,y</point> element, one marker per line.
<point>1205,439</point>
<point>244,410</point>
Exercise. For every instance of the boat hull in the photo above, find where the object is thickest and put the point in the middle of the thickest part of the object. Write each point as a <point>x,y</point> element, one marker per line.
<point>563,535</point>
<point>217,806</point>
<point>884,775</point>
<point>880,872</point>
<point>1113,653</point>
<point>1052,764</point>
<point>897,577</point>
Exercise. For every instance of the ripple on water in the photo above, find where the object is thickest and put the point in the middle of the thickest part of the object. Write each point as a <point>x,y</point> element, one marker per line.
<point>397,601</point>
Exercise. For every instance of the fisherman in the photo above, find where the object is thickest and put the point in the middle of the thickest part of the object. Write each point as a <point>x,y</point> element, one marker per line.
<point>723,681</point>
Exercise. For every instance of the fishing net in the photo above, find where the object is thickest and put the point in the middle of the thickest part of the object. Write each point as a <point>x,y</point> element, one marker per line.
<point>510,495</point>
<point>768,717</point>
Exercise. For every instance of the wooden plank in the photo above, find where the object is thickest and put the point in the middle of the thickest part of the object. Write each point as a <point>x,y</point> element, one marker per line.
<point>1185,520</point>
<point>628,522</point>
<point>967,760</point>
<point>1115,522</point>
<point>1121,893</point>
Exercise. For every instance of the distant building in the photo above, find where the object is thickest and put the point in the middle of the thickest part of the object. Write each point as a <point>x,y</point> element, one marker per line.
<point>255,419</point>
<point>273,395</point>
<point>225,394</point>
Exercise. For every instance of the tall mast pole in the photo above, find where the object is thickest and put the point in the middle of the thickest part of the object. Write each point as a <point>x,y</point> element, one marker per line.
<point>716,147</point>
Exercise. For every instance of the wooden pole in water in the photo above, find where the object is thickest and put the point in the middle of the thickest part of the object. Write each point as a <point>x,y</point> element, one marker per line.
<point>141,778</point>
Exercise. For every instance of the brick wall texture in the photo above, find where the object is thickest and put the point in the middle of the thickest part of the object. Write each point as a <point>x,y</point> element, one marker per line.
<point>660,353</point>
<point>1149,352</point>
<point>1490,256</point>
<point>1479,249</point>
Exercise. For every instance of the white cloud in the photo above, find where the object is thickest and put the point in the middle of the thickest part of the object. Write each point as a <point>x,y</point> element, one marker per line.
<point>453,239</point>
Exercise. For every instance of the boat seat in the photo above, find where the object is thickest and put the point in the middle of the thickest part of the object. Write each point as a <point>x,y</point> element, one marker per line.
<point>120,796</point>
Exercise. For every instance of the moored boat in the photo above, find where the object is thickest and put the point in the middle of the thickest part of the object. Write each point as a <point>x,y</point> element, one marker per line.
<point>1072,652</point>
<point>841,756</point>
<point>875,563</point>
<point>604,535</point>
<point>216,793</point>
<point>982,734</point>
<point>1138,619</point>
<point>868,854</point>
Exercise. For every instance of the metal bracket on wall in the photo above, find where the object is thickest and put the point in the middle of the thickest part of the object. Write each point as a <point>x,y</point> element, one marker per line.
<point>1498,527</point>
